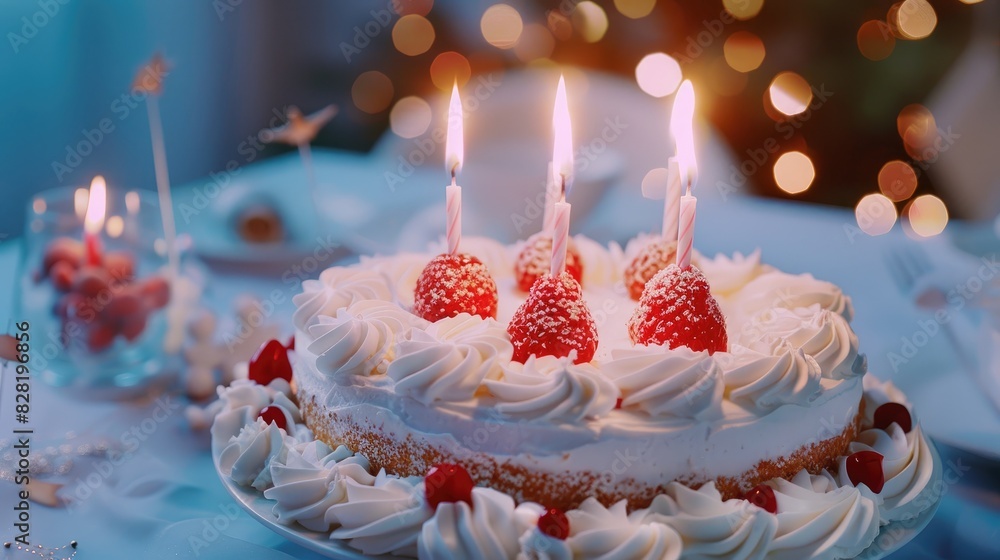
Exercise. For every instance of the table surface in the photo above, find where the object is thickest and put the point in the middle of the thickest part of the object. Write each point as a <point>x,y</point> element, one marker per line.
<point>164,500</point>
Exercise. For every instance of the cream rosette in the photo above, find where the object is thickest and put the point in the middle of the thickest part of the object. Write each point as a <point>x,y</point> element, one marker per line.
<point>764,381</point>
<point>659,381</point>
<point>360,339</point>
<point>337,287</point>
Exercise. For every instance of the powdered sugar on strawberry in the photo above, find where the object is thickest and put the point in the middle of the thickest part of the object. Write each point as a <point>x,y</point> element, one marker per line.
<point>453,284</point>
<point>677,309</point>
<point>535,260</point>
<point>654,256</point>
<point>554,321</point>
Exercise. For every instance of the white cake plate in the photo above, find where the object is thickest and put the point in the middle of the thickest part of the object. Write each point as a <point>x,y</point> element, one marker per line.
<point>891,537</point>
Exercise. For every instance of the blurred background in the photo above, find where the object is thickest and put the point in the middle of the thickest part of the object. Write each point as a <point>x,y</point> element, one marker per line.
<point>833,102</point>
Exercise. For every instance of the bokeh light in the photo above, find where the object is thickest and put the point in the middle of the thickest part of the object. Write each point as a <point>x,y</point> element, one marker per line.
<point>410,117</point>
<point>450,67</point>
<point>655,182</point>
<point>876,214</point>
<point>38,205</point>
<point>372,92</point>
<point>81,197</point>
<point>744,51</point>
<point>590,21</point>
<point>413,35</point>
<point>560,25</point>
<point>915,19</point>
<point>897,180</point>
<point>407,7</point>
<point>501,26</point>
<point>635,9</point>
<point>918,130</point>
<point>927,215</point>
<point>536,42</point>
<point>794,172</point>
<point>114,226</point>
<point>790,93</point>
<point>743,9</point>
<point>658,74</point>
<point>875,40</point>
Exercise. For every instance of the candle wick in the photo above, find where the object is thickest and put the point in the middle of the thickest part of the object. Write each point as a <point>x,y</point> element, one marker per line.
<point>562,188</point>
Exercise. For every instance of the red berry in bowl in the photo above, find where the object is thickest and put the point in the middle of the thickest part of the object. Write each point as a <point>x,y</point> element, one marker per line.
<point>553,321</point>
<point>762,496</point>
<point>156,292</point>
<point>274,415</point>
<point>63,276</point>
<point>453,284</point>
<point>677,309</point>
<point>535,260</point>
<point>893,412</point>
<point>120,266</point>
<point>553,522</point>
<point>100,336</point>
<point>865,467</point>
<point>269,363</point>
<point>447,482</point>
<point>652,258</point>
<point>63,249</point>
<point>92,282</point>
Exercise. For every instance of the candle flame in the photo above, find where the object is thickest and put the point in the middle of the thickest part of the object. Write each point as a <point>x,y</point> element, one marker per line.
<point>80,198</point>
<point>96,206</point>
<point>454,145</point>
<point>562,150</point>
<point>682,131</point>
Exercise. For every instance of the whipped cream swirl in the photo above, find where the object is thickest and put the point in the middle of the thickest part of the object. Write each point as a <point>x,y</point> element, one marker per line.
<point>710,527</point>
<point>384,517</point>
<point>361,338</point>
<point>336,288</point>
<point>248,456</point>
<point>820,521</point>
<point>553,389</point>
<point>487,529</point>
<point>663,382</point>
<point>825,336</point>
<point>450,359</point>
<point>603,533</point>
<point>779,289</point>
<point>400,273</point>
<point>761,382</point>
<point>727,275</point>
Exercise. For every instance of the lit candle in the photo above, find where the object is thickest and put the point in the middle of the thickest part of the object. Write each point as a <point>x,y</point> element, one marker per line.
<point>562,175</point>
<point>454,153</point>
<point>93,221</point>
<point>682,128</point>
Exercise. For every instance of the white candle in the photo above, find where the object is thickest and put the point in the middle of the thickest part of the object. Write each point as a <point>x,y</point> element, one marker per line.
<point>685,240</point>
<point>672,201</point>
<point>453,197</point>
<point>553,194</point>
<point>682,129</point>
<point>454,154</point>
<point>560,237</point>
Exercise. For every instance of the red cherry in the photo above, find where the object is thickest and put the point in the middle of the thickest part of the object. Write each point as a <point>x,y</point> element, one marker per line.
<point>155,291</point>
<point>865,467</point>
<point>453,284</point>
<point>553,522</point>
<point>677,308</point>
<point>553,321</point>
<point>100,337</point>
<point>290,345</point>
<point>269,363</point>
<point>535,261</point>
<point>63,275</point>
<point>618,403</point>
<point>134,326</point>
<point>762,496</point>
<point>65,250</point>
<point>273,414</point>
<point>893,412</point>
<point>120,265</point>
<point>124,306</point>
<point>446,482</point>
<point>91,282</point>
<point>652,258</point>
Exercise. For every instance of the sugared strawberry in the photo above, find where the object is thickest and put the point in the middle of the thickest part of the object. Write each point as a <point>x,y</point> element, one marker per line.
<point>535,260</point>
<point>269,363</point>
<point>446,482</point>
<point>652,258</point>
<point>677,309</point>
<point>553,321</point>
<point>762,496</point>
<point>553,522</point>
<point>893,412</point>
<point>453,284</point>
<point>865,467</point>
<point>274,414</point>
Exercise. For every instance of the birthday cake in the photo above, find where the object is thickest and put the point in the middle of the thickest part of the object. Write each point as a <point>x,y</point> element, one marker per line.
<point>452,414</point>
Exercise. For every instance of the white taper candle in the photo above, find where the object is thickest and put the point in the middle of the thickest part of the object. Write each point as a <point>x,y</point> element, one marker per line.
<point>453,203</point>
<point>560,237</point>
<point>685,239</point>
<point>672,201</point>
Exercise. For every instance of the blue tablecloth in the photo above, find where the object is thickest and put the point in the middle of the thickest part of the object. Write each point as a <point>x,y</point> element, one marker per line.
<point>165,500</point>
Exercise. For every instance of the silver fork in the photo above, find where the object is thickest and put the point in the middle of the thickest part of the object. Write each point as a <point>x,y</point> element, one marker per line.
<point>907,265</point>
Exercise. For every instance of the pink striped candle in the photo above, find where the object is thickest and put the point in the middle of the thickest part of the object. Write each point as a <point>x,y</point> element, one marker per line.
<point>560,237</point>
<point>685,236</point>
<point>552,196</point>
<point>453,203</point>
<point>672,201</point>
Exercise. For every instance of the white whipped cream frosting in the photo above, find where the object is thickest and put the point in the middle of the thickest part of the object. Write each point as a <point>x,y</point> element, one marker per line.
<point>603,533</point>
<point>727,275</point>
<point>384,517</point>
<point>554,389</point>
<point>710,527</point>
<point>486,529</point>
<point>336,288</point>
<point>248,457</point>
<point>602,266</point>
<point>668,382</point>
<point>449,360</point>
<point>776,289</point>
<point>400,273</point>
<point>763,381</point>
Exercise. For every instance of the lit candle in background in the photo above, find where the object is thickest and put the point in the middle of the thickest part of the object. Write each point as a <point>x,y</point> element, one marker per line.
<point>562,176</point>
<point>682,128</point>
<point>454,153</point>
<point>672,201</point>
<point>93,222</point>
